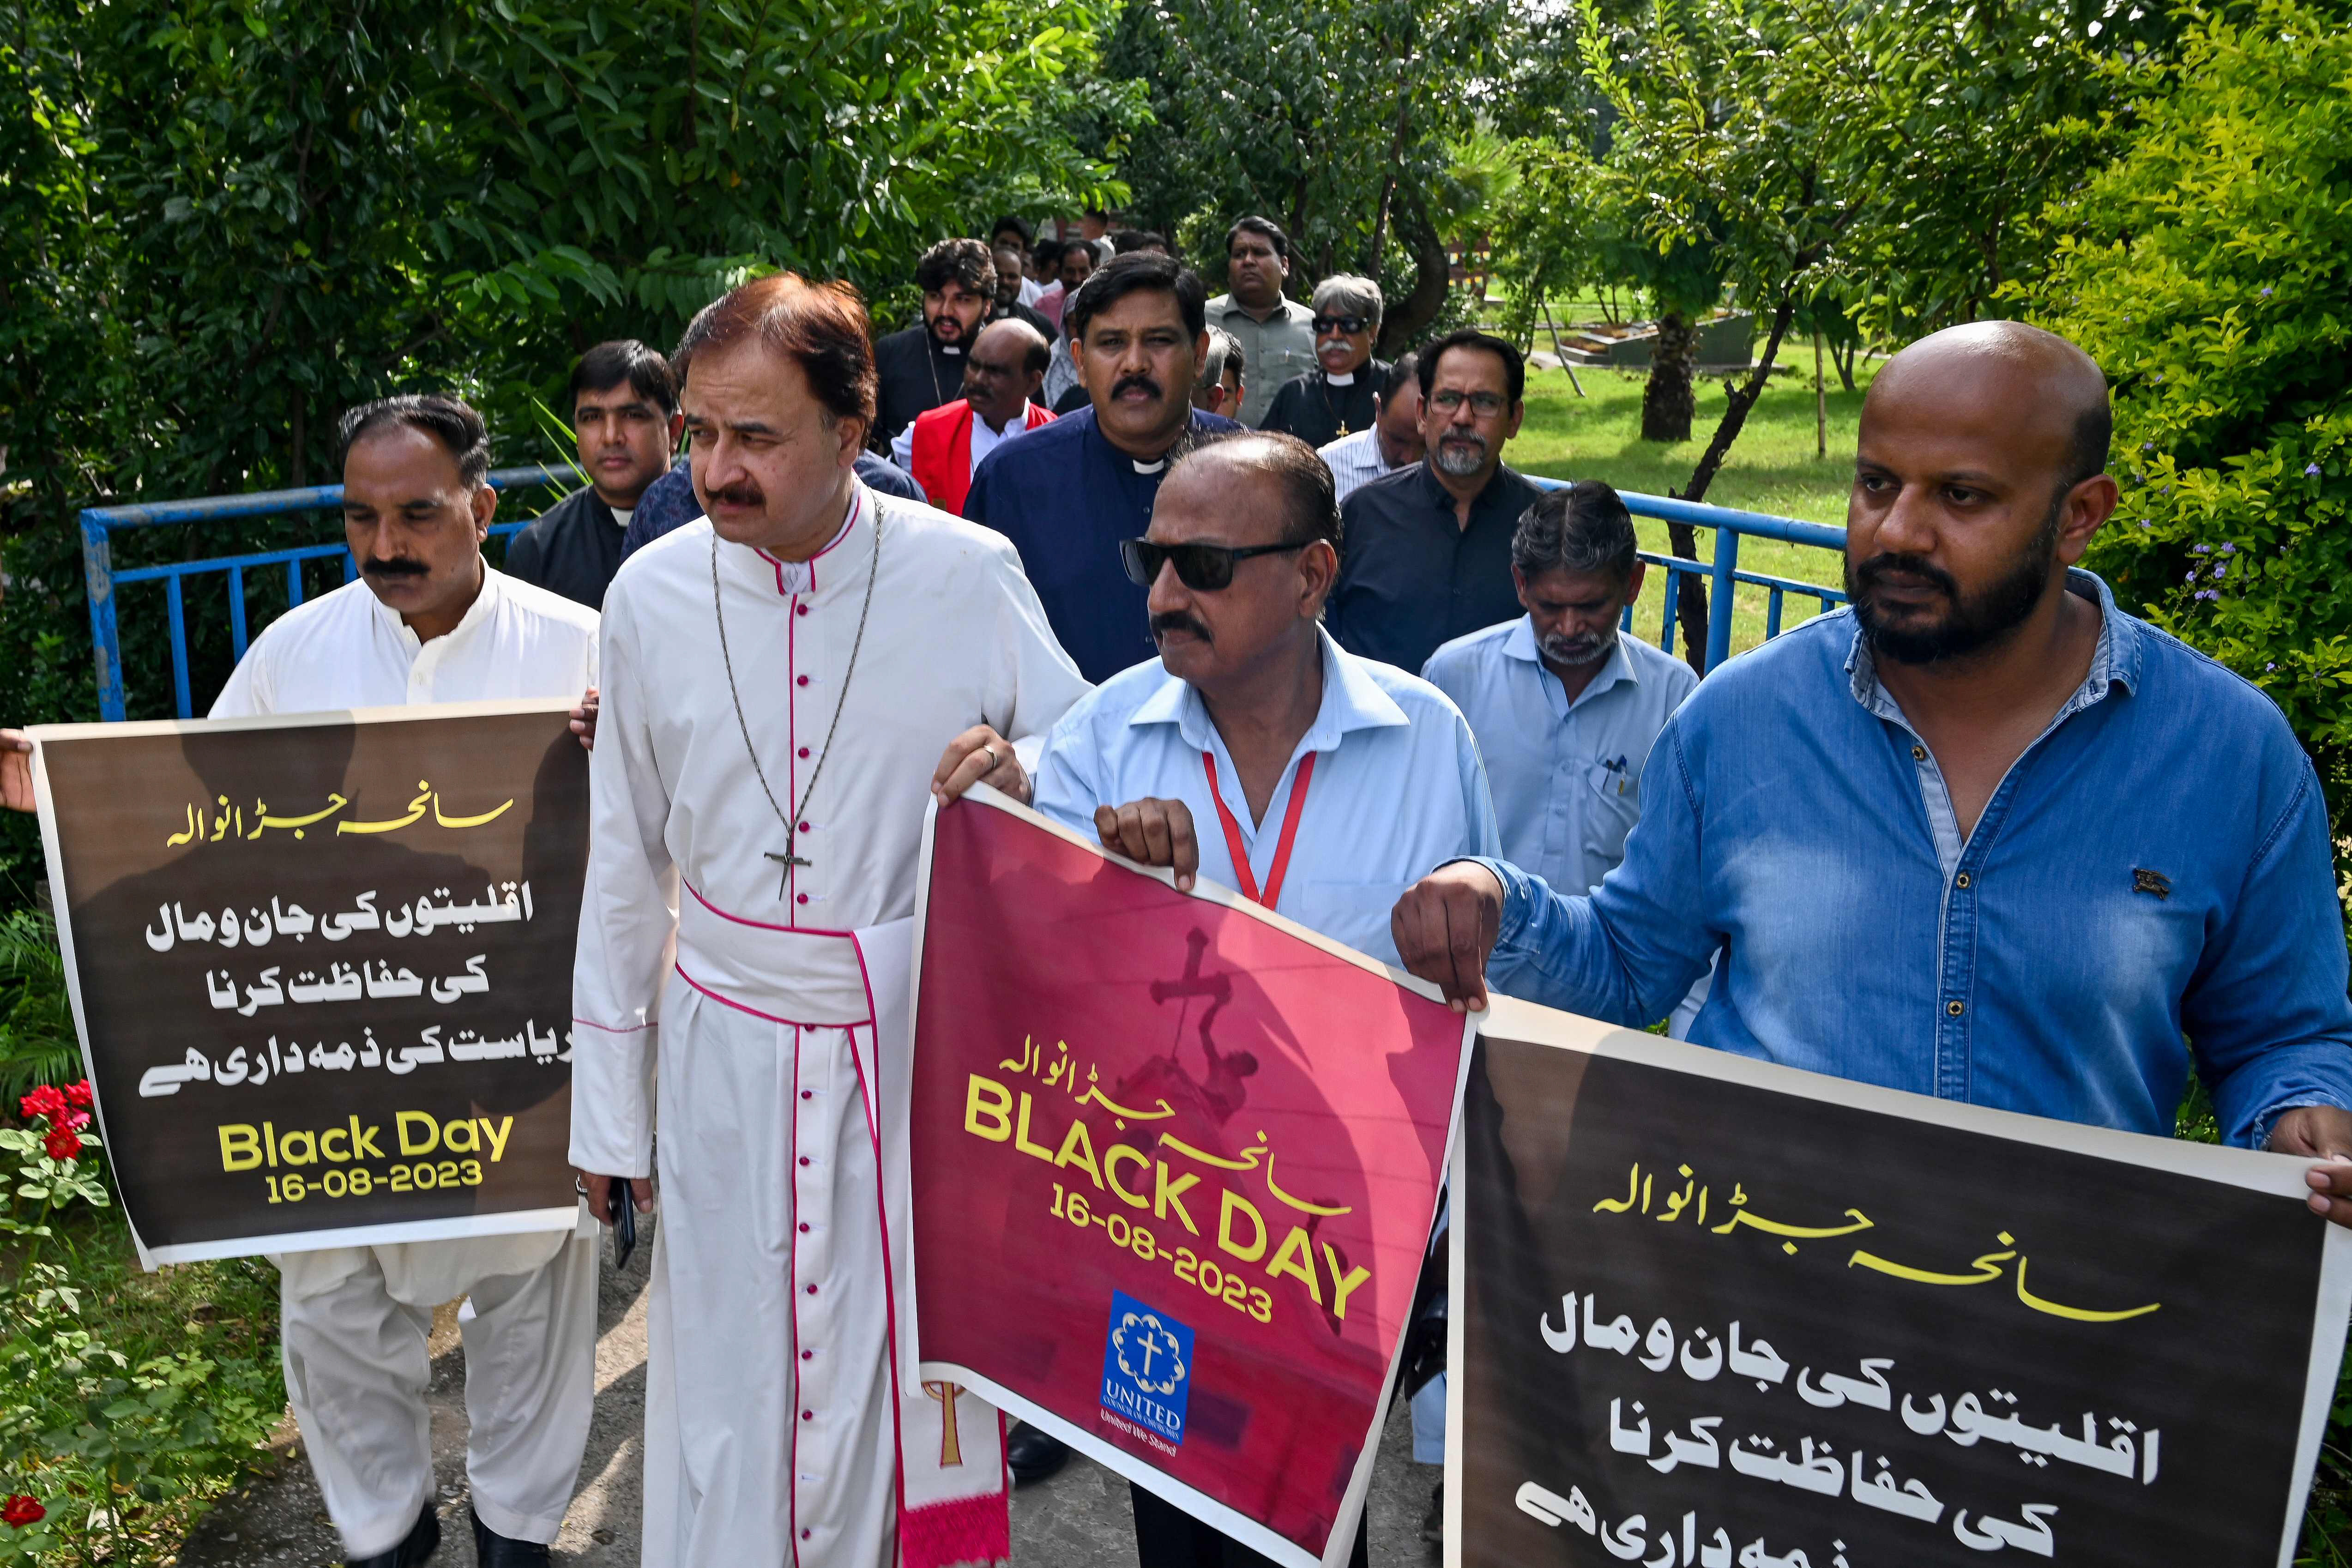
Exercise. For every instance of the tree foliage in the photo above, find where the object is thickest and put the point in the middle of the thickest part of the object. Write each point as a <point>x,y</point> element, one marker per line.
<point>2208,270</point>
<point>223,222</point>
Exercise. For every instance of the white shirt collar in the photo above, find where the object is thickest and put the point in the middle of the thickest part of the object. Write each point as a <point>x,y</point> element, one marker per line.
<point>1345,378</point>
<point>485,605</point>
<point>800,576</point>
<point>1351,700</point>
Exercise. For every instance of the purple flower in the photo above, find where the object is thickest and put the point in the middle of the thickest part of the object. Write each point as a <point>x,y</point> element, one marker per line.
<point>2207,594</point>
<point>2222,571</point>
<point>2200,550</point>
<point>2228,550</point>
<point>2191,578</point>
<point>2269,665</point>
<point>2266,294</point>
<point>2311,472</point>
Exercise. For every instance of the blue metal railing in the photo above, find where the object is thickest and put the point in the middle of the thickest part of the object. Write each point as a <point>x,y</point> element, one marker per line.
<point>1722,575</point>
<point>97,524</point>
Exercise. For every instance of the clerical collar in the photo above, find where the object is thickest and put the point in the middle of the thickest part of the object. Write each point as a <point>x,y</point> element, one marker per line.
<point>1143,468</point>
<point>1346,379</point>
<point>800,576</point>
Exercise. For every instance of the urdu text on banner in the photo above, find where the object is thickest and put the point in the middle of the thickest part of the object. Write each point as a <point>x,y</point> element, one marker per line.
<point>1708,1312</point>
<point>321,969</point>
<point>1175,1162</point>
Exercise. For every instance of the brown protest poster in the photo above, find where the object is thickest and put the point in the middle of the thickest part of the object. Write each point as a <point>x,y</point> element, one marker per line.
<point>322,968</point>
<point>1710,1312</point>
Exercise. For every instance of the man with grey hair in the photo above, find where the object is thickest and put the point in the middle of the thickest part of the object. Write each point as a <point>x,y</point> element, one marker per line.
<point>1336,398</point>
<point>1393,441</point>
<point>1218,388</point>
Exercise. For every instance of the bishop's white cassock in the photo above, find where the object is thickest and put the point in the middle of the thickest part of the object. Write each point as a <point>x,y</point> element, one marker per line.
<point>757,1015</point>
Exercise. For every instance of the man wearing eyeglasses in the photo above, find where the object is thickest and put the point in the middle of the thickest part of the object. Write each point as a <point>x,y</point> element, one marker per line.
<point>943,447</point>
<point>1429,547</point>
<point>1254,751</point>
<point>1340,396</point>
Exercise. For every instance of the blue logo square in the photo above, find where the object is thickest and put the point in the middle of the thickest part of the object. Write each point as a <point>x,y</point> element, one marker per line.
<point>1147,1367</point>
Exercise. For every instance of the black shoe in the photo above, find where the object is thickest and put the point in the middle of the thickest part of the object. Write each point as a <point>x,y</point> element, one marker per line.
<point>422,1541</point>
<point>1034,1455</point>
<point>493,1550</point>
<point>1433,1523</point>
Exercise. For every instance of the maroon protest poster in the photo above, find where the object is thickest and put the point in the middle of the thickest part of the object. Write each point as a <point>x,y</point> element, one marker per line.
<point>1174,1162</point>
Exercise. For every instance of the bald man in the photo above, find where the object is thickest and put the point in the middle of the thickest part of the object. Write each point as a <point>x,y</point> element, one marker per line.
<point>943,447</point>
<point>1983,835</point>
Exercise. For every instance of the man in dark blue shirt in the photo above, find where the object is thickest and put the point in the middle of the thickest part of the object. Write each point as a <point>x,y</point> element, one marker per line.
<point>1428,555</point>
<point>1066,493</point>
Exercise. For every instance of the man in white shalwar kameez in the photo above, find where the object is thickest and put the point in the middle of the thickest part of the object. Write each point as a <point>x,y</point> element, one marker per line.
<point>429,621</point>
<point>779,678</point>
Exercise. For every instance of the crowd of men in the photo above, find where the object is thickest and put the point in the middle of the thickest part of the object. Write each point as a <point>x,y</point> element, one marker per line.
<point>1984,836</point>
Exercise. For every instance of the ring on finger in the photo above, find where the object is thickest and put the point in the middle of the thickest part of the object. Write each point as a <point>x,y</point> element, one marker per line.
<point>989,753</point>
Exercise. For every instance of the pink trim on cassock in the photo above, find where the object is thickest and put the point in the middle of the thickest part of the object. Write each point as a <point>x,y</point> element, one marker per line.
<point>764,925</point>
<point>792,1346</point>
<point>960,1530</point>
<point>627,1028</point>
<point>848,520</point>
<point>770,1017</point>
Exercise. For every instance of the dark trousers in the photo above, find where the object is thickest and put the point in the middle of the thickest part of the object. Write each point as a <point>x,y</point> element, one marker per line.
<point>1168,1537</point>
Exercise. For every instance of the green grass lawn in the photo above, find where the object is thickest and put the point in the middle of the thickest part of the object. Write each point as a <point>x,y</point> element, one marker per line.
<point>1771,469</point>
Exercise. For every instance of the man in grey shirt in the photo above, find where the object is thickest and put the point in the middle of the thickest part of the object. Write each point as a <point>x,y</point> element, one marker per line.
<point>1277,335</point>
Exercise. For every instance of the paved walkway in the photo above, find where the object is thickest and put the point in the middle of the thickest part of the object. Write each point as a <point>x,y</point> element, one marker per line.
<point>1078,1518</point>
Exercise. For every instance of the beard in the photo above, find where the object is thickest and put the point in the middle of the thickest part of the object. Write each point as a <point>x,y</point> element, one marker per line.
<point>1972,621</point>
<point>1575,653</point>
<point>1460,456</point>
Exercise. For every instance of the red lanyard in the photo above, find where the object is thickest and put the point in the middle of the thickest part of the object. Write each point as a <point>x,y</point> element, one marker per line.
<point>1241,872</point>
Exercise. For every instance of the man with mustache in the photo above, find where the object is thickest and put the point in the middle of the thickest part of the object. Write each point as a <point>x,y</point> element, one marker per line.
<point>429,621</point>
<point>1340,396</point>
<point>776,674</point>
<point>945,446</point>
<point>1067,494</point>
<point>921,366</point>
<point>1255,751</point>
<point>1429,547</point>
<point>1984,836</point>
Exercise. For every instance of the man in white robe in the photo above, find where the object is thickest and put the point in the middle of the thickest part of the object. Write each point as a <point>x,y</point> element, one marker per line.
<point>779,678</point>
<point>429,621</point>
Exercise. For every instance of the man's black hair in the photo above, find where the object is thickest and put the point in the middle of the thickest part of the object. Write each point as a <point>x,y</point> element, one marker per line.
<point>1013,223</point>
<point>1129,240</point>
<point>1515,368</point>
<point>1265,227</point>
<point>1067,246</point>
<point>625,359</point>
<point>964,261</point>
<point>1407,367</point>
<point>453,423</point>
<point>1584,527</point>
<point>1128,274</point>
<point>2087,455</point>
<point>1098,213</point>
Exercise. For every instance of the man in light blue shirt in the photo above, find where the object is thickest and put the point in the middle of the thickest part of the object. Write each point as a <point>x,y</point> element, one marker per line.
<point>1565,710</point>
<point>1984,836</point>
<point>1254,749</point>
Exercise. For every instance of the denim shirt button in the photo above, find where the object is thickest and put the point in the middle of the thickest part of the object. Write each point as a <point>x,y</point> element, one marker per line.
<point>1961,881</point>
<point>1919,753</point>
<point>1955,1008</point>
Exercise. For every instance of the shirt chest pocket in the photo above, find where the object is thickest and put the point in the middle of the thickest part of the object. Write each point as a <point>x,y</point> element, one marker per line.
<point>1610,798</point>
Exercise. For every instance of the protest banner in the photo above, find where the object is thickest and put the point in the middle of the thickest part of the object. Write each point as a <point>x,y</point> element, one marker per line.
<point>322,968</point>
<point>1708,1311</point>
<point>1175,1160</point>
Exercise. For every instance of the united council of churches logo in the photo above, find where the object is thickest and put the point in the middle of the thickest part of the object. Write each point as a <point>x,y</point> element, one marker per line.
<point>1147,1367</point>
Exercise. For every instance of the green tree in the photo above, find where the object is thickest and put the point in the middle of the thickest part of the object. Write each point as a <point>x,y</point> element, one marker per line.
<point>2208,270</point>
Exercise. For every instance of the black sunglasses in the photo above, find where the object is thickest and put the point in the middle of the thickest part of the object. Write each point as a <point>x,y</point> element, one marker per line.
<point>1340,323</point>
<point>1203,568</point>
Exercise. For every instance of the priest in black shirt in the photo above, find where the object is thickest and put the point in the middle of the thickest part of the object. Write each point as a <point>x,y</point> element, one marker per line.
<point>625,415</point>
<point>922,366</point>
<point>1428,555</point>
<point>1337,397</point>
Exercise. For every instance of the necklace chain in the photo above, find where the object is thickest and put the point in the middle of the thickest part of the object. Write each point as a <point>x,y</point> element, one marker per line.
<point>719,613</point>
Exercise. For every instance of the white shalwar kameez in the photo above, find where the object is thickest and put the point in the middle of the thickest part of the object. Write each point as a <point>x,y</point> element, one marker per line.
<point>774,1421</point>
<point>354,1320</point>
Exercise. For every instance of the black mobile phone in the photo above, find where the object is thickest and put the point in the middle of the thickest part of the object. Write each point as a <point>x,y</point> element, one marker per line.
<point>621,1208</point>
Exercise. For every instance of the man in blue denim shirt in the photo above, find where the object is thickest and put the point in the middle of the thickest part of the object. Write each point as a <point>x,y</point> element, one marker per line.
<point>1983,836</point>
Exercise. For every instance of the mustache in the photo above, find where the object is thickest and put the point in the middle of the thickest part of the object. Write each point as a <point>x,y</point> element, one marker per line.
<point>747,495</point>
<point>1178,621</point>
<point>399,566</point>
<point>1870,574</point>
<point>1137,380</point>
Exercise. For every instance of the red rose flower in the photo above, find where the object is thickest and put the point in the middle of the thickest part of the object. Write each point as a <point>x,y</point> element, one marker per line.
<point>21,1510</point>
<point>43,1101</point>
<point>79,1094</point>
<point>73,1120</point>
<point>62,1144</point>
